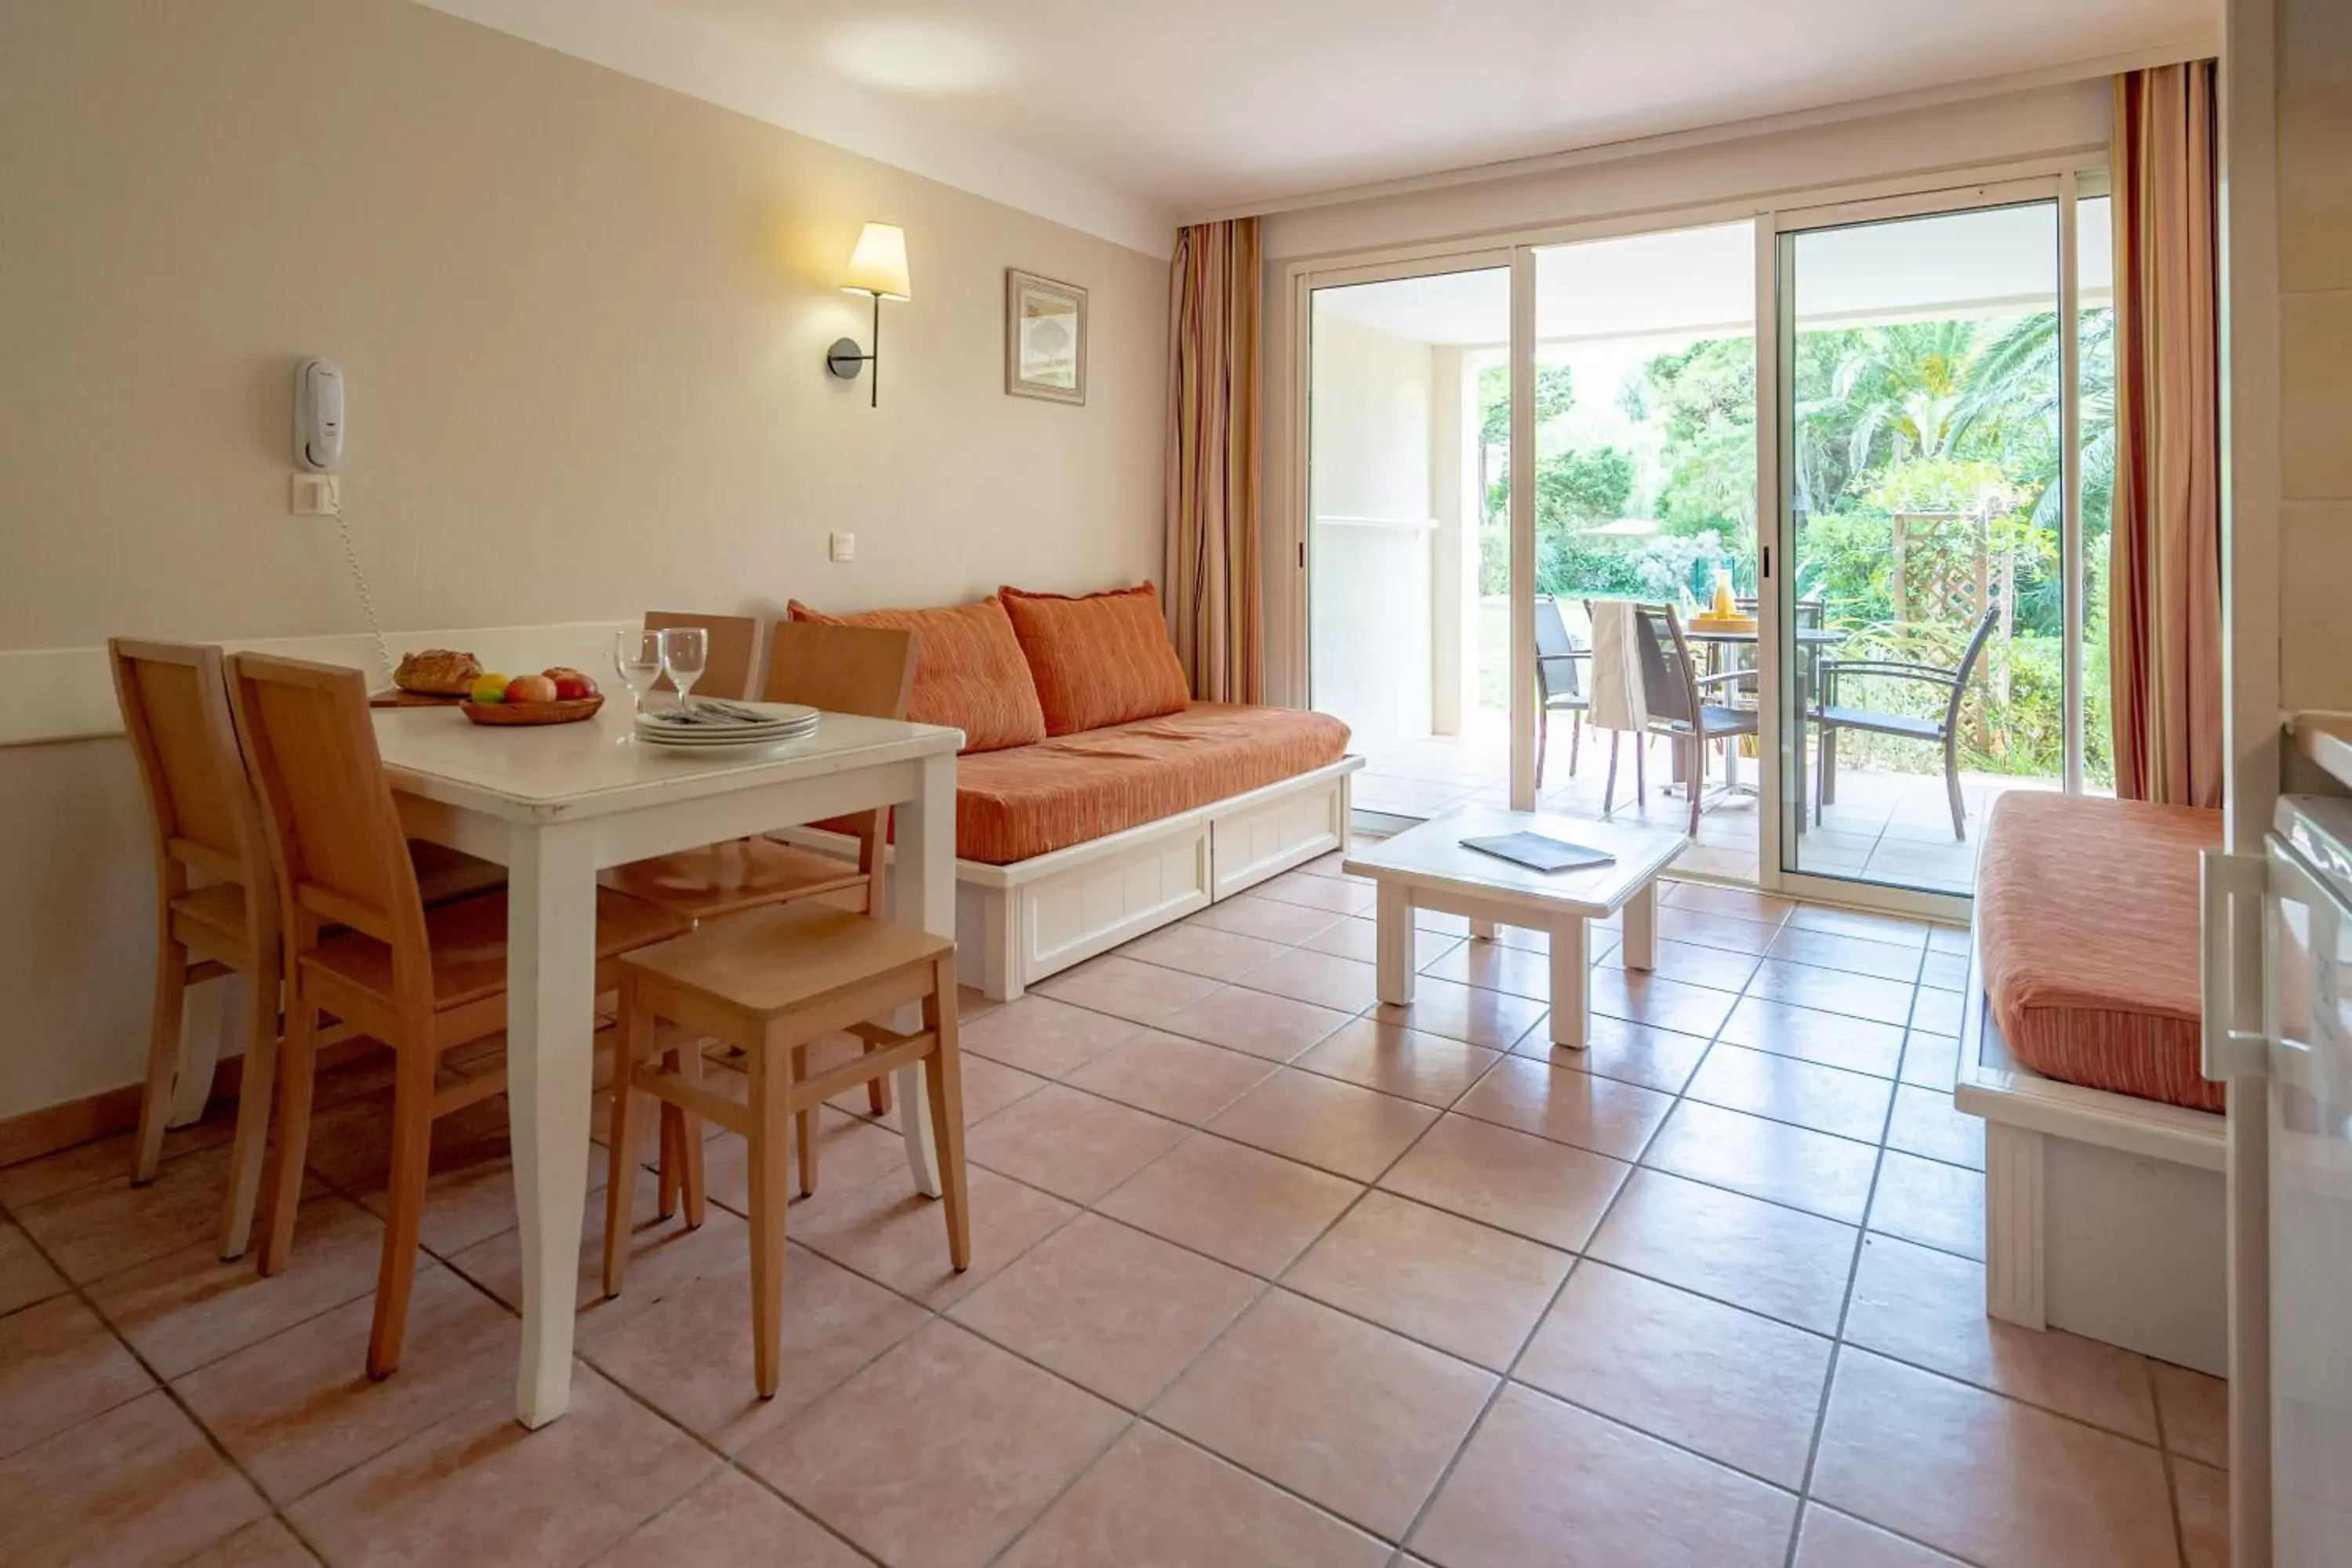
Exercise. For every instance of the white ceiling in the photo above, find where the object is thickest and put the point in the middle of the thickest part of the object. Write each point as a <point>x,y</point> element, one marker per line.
<point>1218,105</point>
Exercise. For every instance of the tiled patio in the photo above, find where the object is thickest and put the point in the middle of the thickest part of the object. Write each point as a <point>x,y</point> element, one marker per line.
<point>1264,1273</point>
<point>1884,827</point>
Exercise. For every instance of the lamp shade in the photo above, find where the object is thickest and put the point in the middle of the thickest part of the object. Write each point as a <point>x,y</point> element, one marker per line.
<point>878,265</point>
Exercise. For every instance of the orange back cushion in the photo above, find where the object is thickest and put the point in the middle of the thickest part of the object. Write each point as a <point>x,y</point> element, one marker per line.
<point>1104,658</point>
<point>969,671</point>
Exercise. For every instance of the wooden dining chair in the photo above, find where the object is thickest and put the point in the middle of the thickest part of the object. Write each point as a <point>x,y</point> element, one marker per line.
<point>363,946</point>
<point>770,982</point>
<point>729,663</point>
<point>864,670</point>
<point>206,821</point>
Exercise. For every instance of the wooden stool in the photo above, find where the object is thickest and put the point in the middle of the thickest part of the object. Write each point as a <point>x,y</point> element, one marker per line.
<point>769,982</point>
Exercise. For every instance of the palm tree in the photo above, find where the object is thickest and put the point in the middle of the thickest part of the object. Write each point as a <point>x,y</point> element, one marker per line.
<point>2012,390</point>
<point>1904,385</point>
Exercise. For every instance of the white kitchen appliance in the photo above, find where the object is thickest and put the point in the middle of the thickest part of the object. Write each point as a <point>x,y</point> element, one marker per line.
<point>2304,882</point>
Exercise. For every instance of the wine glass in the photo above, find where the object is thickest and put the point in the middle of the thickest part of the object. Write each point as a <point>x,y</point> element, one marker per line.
<point>637,660</point>
<point>684,651</point>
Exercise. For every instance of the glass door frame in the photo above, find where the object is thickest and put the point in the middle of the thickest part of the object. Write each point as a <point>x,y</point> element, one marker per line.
<point>1782,731</point>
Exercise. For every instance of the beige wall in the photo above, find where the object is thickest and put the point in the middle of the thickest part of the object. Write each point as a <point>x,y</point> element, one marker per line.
<point>581,320</point>
<point>2315,436</point>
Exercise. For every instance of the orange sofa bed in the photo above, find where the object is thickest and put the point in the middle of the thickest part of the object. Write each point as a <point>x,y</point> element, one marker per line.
<point>1095,799</point>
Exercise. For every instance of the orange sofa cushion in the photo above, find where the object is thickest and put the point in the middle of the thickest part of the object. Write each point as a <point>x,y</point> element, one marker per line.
<point>2086,927</point>
<point>1013,805</point>
<point>969,671</point>
<point>1100,659</point>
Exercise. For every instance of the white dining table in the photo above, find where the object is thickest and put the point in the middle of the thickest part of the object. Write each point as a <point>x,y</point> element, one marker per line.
<point>557,804</point>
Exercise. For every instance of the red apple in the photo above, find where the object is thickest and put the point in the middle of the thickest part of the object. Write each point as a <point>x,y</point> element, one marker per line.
<point>530,688</point>
<point>571,686</point>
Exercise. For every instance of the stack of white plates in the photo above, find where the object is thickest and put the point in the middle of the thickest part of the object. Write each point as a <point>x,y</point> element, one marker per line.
<point>716,724</point>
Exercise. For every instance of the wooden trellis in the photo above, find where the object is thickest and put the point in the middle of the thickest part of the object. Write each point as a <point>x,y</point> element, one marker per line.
<point>1957,586</point>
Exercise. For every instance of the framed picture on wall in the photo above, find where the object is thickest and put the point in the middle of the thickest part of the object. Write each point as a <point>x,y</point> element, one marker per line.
<point>1044,338</point>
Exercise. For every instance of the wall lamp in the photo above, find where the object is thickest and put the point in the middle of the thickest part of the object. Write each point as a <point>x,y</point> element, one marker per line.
<point>877,267</point>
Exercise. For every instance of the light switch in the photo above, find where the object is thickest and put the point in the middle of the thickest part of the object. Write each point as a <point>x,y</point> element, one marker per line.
<point>844,546</point>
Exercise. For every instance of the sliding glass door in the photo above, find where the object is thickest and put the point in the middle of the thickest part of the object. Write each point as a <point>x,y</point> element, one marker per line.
<point>1943,420</point>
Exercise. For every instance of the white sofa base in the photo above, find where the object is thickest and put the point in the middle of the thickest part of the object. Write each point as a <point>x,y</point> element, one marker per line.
<point>2104,1214</point>
<point>1017,924</point>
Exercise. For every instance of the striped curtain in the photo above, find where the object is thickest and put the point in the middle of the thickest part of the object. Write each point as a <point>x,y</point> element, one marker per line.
<point>2165,604</point>
<point>1215,305</point>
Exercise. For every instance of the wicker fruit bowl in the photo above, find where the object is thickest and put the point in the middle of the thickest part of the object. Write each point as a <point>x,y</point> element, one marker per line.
<point>558,712</point>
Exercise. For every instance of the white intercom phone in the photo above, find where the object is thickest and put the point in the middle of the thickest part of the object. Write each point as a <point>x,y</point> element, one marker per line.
<point>318,415</point>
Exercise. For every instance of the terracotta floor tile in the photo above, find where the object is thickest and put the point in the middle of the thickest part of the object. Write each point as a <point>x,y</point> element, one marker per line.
<point>1830,1039</point>
<point>1834,991</point>
<point>1985,1478</point>
<point>2196,1411</point>
<point>1944,970</point>
<point>477,1487</point>
<point>1926,1307</point>
<point>95,1230</point>
<point>25,1276</point>
<point>1691,963</point>
<point>1737,903</point>
<point>1938,1012</point>
<point>1359,939</point>
<point>1395,1060</point>
<point>1268,918</point>
<point>1568,1107</point>
<point>1925,1123</point>
<point>1700,929</point>
<point>887,1231</point>
<point>1529,1185</point>
<point>1467,1289</point>
<point>1156,1501</point>
<point>1784,1089</point>
<point>1340,897</point>
<point>2202,1496</point>
<point>1930,1061</point>
<point>689,1354</point>
<point>1275,1028</point>
<point>663,1256</point>
<point>59,1365</point>
<point>1115,1311</point>
<point>1854,955</point>
<point>1495,1019</point>
<point>264,1543</point>
<point>1124,988</point>
<point>135,1487</point>
<point>1860,923</point>
<point>1631,1053</point>
<point>1245,1207</point>
<point>106,1160</point>
<point>1793,1165</point>
<point>1203,950</point>
<point>1349,1415</point>
<point>1929,1202</point>
<point>1761,1256</point>
<point>1828,1538</point>
<point>1495,967</point>
<point>1323,1122</point>
<point>732,1522</point>
<point>911,1461</point>
<point>852,1152</point>
<point>1543,1483</point>
<point>1641,997</point>
<point>1325,980</point>
<point>1737,1387</point>
<point>470,1194</point>
<point>1168,1075</point>
<point>1042,1037</point>
<point>298,1409</point>
<point>191,1306</point>
<point>1077,1146</point>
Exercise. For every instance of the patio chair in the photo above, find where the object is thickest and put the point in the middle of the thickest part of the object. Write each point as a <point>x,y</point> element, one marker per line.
<point>1676,693</point>
<point>1831,716</point>
<point>1558,686</point>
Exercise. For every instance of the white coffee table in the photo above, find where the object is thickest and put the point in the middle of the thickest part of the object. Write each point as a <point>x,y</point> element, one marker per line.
<point>1425,868</point>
